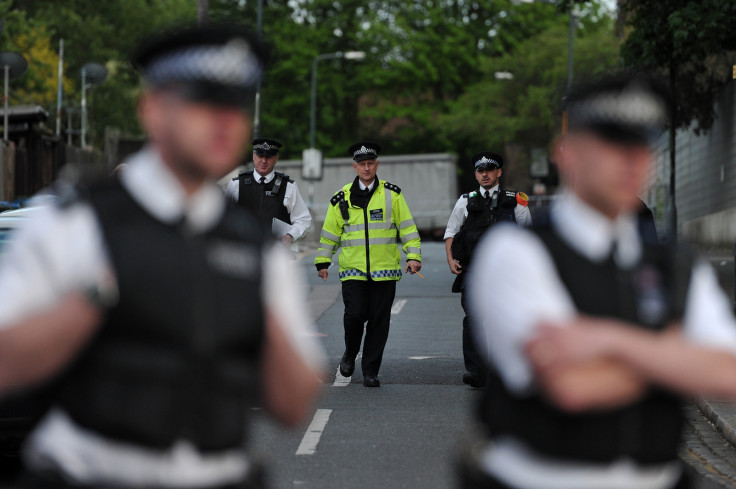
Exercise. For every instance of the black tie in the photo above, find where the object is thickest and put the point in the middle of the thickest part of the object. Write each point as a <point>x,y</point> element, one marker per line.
<point>487,195</point>
<point>262,180</point>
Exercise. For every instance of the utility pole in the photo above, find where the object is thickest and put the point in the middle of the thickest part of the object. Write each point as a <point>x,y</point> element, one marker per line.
<point>203,12</point>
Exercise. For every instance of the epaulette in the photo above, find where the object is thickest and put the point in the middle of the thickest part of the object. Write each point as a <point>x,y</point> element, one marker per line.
<point>337,198</point>
<point>285,177</point>
<point>464,196</point>
<point>391,186</point>
<point>247,175</point>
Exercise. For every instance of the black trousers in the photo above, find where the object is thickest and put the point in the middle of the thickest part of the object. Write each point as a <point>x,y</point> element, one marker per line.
<point>367,301</point>
<point>471,355</point>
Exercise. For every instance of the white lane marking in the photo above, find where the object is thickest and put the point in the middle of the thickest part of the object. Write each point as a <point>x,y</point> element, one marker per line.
<point>421,358</point>
<point>309,443</point>
<point>340,381</point>
<point>398,306</point>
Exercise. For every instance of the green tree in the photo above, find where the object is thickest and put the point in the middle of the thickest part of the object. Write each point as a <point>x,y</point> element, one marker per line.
<point>517,115</point>
<point>103,32</point>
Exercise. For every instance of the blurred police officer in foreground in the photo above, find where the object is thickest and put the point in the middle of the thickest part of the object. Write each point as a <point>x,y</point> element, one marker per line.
<point>363,219</point>
<point>596,336</point>
<point>474,213</point>
<point>145,294</point>
<point>271,195</point>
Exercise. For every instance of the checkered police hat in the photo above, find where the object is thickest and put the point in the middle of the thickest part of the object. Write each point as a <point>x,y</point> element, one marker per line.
<point>486,160</point>
<point>364,150</point>
<point>266,146</point>
<point>627,109</point>
<point>217,63</point>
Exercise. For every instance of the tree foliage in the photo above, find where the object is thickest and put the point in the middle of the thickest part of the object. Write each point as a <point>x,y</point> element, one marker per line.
<point>426,84</point>
<point>690,43</point>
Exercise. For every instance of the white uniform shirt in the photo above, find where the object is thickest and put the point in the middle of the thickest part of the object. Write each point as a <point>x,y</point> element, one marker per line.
<point>293,201</point>
<point>460,214</point>
<point>60,251</point>
<point>533,292</point>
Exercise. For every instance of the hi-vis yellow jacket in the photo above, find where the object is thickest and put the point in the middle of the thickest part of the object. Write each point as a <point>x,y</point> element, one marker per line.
<point>369,237</point>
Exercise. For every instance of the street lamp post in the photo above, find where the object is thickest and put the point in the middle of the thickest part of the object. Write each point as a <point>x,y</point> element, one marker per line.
<point>313,157</point>
<point>356,55</point>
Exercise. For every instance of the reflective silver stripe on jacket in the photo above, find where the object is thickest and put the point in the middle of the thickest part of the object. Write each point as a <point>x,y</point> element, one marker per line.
<point>406,224</point>
<point>330,236</point>
<point>371,241</point>
<point>409,237</point>
<point>353,228</point>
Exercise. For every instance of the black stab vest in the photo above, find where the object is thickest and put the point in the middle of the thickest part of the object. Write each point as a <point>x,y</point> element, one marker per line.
<point>480,218</point>
<point>267,200</point>
<point>651,296</point>
<point>178,356</point>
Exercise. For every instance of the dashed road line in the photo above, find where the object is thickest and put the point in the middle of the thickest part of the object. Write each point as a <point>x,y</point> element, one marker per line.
<point>311,438</point>
<point>398,306</point>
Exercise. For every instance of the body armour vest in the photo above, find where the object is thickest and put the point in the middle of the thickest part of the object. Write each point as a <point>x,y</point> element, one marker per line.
<point>651,296</point>
<point>482,214</point>
<point>178,356</point>
<point>265,200</point>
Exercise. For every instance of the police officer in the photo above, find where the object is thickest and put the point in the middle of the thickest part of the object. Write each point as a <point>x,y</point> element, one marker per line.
<point>472,215</point>
<point>368,219</point>
<point>272,195</point>
<point>145,296</point>
<point>596,334</point>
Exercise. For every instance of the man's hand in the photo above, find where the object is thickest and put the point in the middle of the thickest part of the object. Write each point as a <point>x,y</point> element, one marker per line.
<point>455,267</point>
<point>322,273</point>
<point>413,266</point>
<point>287,240</point>
<point>555,346</point>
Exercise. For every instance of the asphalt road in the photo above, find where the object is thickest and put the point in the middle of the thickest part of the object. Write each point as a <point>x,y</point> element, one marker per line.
<point>403,434</point>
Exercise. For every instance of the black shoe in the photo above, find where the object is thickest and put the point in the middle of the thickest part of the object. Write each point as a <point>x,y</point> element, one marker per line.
<point>347,366</point>
<point>474,379</point>
<point>371,381</point>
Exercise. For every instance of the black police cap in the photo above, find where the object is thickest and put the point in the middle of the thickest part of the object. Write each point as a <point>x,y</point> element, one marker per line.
<point>364,150</point>
<point>487,160</point>
<point>217,63</point>
<point>624,108</point>
<point>266,146</point>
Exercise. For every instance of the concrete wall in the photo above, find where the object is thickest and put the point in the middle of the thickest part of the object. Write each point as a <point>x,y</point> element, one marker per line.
<point>705,179</point>
<point>428,182</point>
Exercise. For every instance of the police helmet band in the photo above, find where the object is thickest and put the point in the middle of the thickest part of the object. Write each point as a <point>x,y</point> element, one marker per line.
<point>635,110</point>
<point>364,152</point>
<point>486,162</point>
<point>233,64</point>
<point>265,147</point>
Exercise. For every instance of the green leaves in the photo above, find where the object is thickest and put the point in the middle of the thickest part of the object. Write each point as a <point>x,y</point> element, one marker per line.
<point>693,39</point>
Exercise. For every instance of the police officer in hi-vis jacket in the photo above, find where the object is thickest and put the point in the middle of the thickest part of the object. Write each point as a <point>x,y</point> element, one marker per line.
<point>368,219</point>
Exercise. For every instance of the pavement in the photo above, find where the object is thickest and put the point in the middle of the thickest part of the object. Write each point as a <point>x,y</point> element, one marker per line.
<point>710,439</point>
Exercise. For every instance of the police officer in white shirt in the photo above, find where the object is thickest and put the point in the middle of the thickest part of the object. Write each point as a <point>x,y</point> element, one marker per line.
<point>270,194</point>
<point>489,205</point>
<point>144,296</point>
<point>596,335</point>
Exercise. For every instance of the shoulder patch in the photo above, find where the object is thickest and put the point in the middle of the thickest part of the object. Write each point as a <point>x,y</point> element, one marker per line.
<point>464,196</point>
<point>392,187</point>
<point>510,193</point>
<point>471,194</point>
<point>337,198</point>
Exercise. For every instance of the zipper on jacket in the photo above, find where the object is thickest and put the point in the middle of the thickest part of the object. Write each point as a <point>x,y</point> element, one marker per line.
<point>367,242</point>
